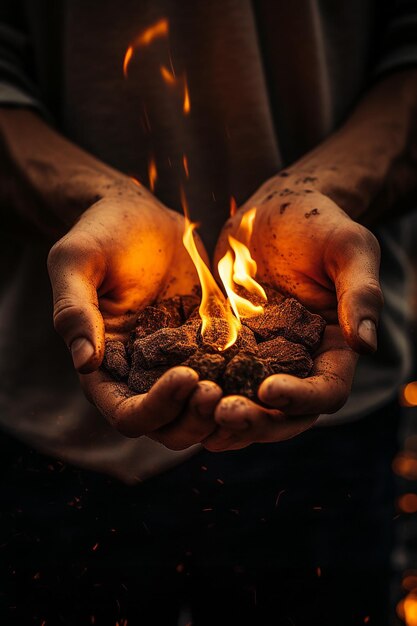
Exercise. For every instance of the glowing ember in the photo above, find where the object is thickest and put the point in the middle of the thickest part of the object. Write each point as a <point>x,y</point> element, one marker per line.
<point>159,29</point>
<point>152,174</point>
<point>233,206</point>
<point>186,105</point>
<point>407,503</point>
<point>405,465</point>
<point>408,394</point>
<point>185,165</point>
<point>168,77</point>
<point>410,610</point>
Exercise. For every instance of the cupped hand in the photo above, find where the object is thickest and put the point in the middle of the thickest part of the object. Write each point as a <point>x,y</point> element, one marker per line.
<point>125,252</point>
<point>307,247</point>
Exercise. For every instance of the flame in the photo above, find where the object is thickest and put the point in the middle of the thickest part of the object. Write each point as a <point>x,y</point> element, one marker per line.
<point>213,303</point>
<point>240,269</point>
<point>185,165</point>
<point>152,174</point>
<point>135,181</point>
<point>186,105</point>
<point>159,29</point>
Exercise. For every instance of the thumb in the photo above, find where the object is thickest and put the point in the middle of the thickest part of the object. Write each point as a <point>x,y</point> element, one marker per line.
<point>355,272</point>
<point>74,274</point>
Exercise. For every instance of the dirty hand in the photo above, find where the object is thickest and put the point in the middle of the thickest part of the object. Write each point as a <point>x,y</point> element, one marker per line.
<point>123,253</point>
<point>306,246</point>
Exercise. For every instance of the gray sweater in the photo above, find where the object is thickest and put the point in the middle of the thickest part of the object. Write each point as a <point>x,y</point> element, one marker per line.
<point>268,81</point>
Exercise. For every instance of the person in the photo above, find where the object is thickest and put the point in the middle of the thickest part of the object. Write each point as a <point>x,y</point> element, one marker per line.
<point>130,516</point>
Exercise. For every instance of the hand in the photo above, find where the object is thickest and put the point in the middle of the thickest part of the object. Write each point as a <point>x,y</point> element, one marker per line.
<point>306,246</point>
<point>125,252</point>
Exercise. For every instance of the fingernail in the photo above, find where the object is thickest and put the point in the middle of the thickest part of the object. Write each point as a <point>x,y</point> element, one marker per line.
<point>81,351</point>
<point>367,332</point>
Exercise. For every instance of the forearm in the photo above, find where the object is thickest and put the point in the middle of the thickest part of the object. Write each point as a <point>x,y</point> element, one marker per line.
<point>44,177</point>
<point>369,166</point>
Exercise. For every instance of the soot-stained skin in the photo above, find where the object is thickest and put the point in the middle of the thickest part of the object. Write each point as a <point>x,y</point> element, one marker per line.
<point>168,333</point>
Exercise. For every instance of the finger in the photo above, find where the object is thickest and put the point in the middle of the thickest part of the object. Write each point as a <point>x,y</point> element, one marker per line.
<point>325,391</point>
<point>197,421</point>
<point>75,271</point>
<point>136,415</point>
<point>243,422</point>
<point>353,263</point>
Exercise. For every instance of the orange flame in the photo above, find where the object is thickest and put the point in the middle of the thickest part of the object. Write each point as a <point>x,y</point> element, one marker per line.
<point>152,174</point>
<point>159,29</point>
<point>186,105</point>
<point>213,303</point>
<point>241,270</point>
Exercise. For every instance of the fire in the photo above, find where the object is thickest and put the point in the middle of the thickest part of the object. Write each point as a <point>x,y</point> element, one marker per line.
<point>126,60</point>
<point>241,270</point>
<point>213,303</point>
<point>152,174</point>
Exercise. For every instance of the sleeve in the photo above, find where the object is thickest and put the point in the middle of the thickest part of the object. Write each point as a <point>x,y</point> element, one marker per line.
<point>397,26</point>
<point>17,77</point>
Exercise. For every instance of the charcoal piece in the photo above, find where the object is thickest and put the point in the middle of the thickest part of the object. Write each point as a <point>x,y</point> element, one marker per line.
<point>168,346</point>
<point>189,304</point>
<point>172,306</point>
<point>244,373</point>
<point>286,357</point>
<point>150,320</point>
<point>141,380</point>
<point>208,366</point>
<point>245,341</point>
<point>115,360</point>
<point>291,320</point>
<point>274,296</point>
<point>216,335</point>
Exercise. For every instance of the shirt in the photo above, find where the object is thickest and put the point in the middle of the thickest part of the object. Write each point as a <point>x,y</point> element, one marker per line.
<point>268,80</point>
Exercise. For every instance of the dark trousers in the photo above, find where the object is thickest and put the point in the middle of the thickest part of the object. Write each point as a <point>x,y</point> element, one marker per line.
<point>296,533</point>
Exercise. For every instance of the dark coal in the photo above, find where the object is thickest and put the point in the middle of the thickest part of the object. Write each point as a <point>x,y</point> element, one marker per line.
<point>244,373</point>
<point>208,366</point>
<point>167,346</point>
<point>115,360</point>
<point>286,357</point>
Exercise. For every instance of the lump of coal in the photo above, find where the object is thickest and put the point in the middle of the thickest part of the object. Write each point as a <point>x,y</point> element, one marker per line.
<point>141,380</point>
<point>208,366</point>
<point>286,357</point>
<point>150,320</point>
<point>189,304</point>
<point>291,320</point>
<point>115,360</point>
<point>173,307</point>
<point>244,373</point>
<point>168,346</point>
